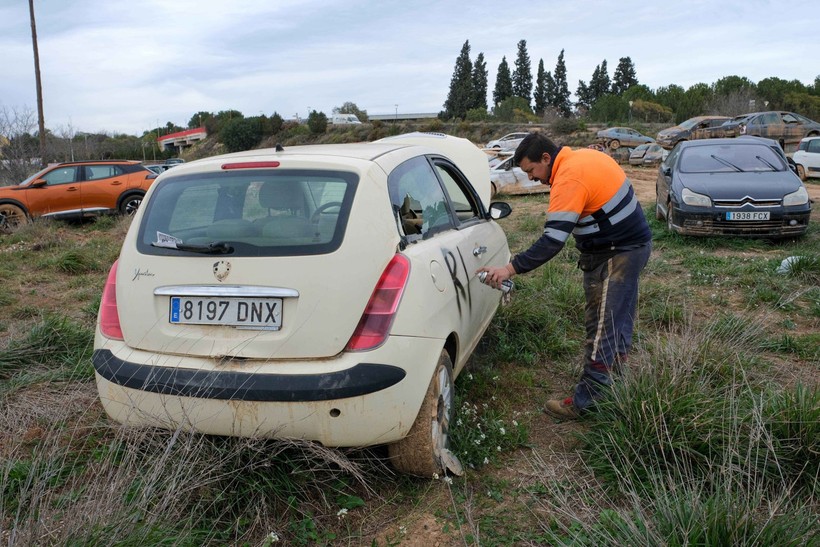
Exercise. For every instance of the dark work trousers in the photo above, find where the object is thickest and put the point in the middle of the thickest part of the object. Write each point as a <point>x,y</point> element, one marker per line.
<point>611,291</point>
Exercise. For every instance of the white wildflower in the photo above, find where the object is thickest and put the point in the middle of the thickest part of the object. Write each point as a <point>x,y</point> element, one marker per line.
<point>498,449</point>
<point>435,476</point>
<point>515,423</point>
<point>486,460</point>
<point>402,529</point>
<point>342,513</point>
<point>448,480</point>
<point>503,431</point>
<point>273,537</point>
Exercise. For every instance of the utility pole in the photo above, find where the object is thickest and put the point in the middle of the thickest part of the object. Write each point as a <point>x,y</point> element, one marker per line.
<point>42,121</point>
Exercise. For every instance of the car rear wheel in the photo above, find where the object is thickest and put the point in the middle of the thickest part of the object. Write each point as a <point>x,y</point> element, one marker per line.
<point>614,144</point>
<point>130,204</point>
<point>425,450</point>
<point>11,218</point>
<point>801,172</point>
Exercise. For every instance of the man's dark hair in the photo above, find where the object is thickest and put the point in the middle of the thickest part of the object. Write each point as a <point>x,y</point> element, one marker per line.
<point>533,147</point>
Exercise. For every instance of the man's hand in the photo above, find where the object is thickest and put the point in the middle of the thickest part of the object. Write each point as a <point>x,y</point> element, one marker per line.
<point>496,275</point>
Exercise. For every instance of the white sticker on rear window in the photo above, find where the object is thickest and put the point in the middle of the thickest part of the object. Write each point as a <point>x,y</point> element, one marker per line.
<point>166,240</point>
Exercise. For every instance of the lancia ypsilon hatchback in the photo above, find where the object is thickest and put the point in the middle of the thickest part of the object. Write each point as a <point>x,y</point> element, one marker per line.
<point>738,186</point>
<point>321,292</point>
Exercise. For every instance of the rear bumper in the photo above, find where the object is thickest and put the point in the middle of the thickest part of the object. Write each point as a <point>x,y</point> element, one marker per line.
<point>353,399</point>
<point>362,379</point>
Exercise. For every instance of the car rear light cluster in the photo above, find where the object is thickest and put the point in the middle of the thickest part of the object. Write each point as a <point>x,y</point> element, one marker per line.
<point>109,317</point>
<point>378,316</point>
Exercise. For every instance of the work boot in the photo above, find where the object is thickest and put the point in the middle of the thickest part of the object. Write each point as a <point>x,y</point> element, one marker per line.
<point>562,409</point>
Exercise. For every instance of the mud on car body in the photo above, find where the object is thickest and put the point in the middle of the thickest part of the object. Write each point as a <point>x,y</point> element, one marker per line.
<point>699,127</point>
<point>319,292</point>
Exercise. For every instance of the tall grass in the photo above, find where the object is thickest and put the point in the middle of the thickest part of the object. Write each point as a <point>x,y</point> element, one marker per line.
<point>692,447</point>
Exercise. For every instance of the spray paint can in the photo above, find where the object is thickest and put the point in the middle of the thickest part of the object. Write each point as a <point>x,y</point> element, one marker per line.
<point>506,285</point>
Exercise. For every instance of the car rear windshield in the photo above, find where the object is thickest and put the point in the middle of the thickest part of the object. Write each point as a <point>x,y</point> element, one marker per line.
<point>731,158</point>
<point>252,213</point>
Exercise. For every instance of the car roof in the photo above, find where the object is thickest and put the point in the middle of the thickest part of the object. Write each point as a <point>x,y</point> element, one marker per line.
<point>387,152</point>
<point>93,162</point>
<point>744,139</point>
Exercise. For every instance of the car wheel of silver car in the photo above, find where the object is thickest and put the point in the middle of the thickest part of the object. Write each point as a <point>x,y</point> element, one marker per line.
<point>11,218</point>
<point>130,204</point>
<point>425,450</point>
<point>614,144</point>
<point>801,172</point>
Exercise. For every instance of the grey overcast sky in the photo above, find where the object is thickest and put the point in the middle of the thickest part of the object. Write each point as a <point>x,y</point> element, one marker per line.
<point>125,66</point>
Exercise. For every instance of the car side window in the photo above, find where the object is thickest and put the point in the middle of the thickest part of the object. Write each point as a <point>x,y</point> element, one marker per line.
<point>463,202</point>
<point>63,175</point>
<point>96,172</point>
<point>418,199</point>
<point>814,146</point>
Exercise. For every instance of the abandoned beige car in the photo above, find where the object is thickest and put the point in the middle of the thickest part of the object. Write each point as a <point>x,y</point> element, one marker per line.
<point>321,292</point>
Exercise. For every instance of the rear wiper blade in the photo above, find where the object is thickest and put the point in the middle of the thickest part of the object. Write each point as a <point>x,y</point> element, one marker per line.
<point>727,163</point>
<point>215,247</point>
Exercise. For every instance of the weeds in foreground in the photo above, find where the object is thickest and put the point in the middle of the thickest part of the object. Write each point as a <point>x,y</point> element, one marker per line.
<point>690,450</point>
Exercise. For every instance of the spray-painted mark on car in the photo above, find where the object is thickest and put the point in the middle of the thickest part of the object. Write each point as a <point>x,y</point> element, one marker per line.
<point>462,289</point>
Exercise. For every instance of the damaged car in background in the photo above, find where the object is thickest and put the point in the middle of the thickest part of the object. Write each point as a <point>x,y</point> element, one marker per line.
<point>699,127</point>
<point>736,186</point>
<point>325,293</point>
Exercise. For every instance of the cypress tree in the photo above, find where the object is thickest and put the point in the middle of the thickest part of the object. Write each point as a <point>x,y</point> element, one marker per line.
<point>479,83</point>
<point>503,83</point>
<point>541,101</point>
<point>624,76</point>
<point>561,100</point>
<point>522,75</point>
<point>460,96</point>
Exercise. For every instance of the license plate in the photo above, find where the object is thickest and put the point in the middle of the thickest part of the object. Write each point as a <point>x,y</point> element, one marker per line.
<point>234,312</point>
<point>747,215</point>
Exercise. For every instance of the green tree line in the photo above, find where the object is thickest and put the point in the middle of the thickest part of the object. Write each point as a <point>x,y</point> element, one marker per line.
<point>517,97</point>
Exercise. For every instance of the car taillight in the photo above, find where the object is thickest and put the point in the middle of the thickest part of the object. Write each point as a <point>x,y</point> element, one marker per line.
<point>381,309</point>
<point>109,318</point>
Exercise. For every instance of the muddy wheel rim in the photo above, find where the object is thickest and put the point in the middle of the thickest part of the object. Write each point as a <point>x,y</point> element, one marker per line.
<point>11,218</point>
<point>441,422</point>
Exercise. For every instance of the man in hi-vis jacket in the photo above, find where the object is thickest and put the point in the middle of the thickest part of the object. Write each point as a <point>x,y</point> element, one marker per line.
<point>592,199</point>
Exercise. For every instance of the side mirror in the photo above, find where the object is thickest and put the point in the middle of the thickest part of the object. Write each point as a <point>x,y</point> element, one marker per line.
<point>499,209</point>
<point>666,170</point>
<point>39,183</point>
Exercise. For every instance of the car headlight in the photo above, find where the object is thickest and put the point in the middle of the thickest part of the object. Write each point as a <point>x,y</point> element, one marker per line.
<point>800,197</point>
<point>694,199</point>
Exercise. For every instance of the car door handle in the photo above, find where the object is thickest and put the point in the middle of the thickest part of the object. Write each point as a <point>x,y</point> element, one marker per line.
<point>116,183</point>
<point>478,251</point>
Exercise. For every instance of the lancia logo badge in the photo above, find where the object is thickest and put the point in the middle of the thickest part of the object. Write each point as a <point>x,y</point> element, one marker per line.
<point>221,270</point>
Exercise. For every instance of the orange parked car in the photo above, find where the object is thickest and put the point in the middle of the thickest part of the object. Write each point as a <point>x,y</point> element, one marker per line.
<point>75,189</point>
